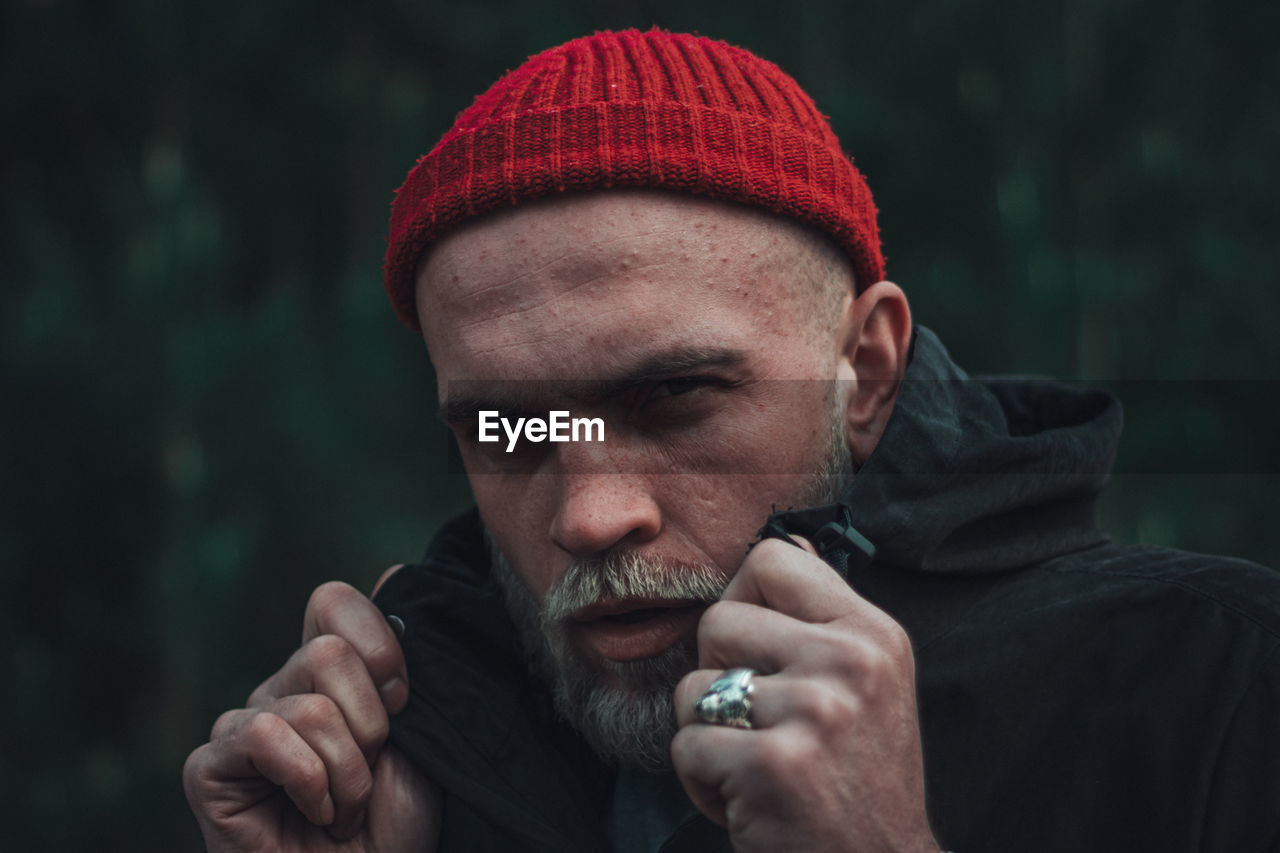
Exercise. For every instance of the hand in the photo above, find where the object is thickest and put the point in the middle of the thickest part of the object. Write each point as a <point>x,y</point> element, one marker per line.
<point>304,766</point>
<point>833,761</point>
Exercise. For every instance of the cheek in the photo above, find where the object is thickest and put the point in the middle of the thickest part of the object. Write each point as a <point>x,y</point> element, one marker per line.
<point>786,431</point>
<point>513,511</point>
<point>770,463</point>
<point>722,513</point>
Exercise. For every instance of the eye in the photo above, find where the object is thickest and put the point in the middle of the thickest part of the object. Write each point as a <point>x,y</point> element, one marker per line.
<point>677,386</point>
<point>679,402</point>
<point>467,431</point>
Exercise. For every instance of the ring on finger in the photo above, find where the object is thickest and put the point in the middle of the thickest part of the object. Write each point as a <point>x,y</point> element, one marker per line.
<point>727,701</point>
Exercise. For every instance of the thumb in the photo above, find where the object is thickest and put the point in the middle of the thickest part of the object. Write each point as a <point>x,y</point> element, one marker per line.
<point>803,544</point>
<point>405,807</point>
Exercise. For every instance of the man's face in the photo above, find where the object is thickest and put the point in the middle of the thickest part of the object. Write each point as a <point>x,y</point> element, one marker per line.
<point>688,327</point>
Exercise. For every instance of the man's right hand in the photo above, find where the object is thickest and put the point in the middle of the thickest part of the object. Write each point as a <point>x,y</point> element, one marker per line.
<point>304,766</point>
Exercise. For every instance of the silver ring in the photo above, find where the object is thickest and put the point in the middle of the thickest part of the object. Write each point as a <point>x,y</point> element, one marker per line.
<point>727,701</point>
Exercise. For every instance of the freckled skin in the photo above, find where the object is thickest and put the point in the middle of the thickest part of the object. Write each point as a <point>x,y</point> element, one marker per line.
<point>591,286</point>
<point>594,285</point>
<point>586,286</point>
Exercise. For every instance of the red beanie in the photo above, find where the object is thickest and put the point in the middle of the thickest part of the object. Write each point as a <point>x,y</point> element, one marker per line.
<point>632,109</point>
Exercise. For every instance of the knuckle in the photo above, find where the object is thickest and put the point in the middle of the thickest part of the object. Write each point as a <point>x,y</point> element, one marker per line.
<point>329,651</point>
<point>873,671</point>
<point>329,597</point>
<point>263,731</point>
<point>827,708</point>
<point>197,783</point>
<point>769,551</point>
<point>715,619</point>
<point>878,663</point>
<point>191,771</point>
<point>886,632</point>
<point>845,655</point>
<point>779,571</point>
<point>857,660</point>
<point>261,695</point>
<point>225,722</point>
<point>316,712</point>
<point>898,641</point>
<point>310,781</point>
<point>779,756</point>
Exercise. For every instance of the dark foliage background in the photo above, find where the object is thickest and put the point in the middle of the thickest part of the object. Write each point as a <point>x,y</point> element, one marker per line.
<point>209,408</point>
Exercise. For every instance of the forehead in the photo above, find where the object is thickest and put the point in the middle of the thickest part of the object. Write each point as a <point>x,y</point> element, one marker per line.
<point>580,285</point>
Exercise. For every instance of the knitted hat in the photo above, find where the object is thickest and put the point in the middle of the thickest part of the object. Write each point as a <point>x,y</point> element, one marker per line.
<point>632,109</point>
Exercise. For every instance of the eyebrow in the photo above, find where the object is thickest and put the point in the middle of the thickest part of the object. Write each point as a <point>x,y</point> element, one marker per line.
<point>462,407</point>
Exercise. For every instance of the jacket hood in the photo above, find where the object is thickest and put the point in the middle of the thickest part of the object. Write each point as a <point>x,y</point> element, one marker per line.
<point>984,474</point>
<point>971,475</point>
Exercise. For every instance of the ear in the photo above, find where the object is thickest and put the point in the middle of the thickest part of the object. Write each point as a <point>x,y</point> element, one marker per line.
<point>874,340</point>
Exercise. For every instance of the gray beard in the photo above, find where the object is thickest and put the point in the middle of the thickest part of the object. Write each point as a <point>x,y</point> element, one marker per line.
<point>624,710</point>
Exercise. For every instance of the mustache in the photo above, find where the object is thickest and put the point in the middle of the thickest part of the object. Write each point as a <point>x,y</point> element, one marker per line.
<point>627,574</point>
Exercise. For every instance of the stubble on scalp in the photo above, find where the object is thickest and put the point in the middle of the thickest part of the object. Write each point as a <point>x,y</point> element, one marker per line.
<point>817,270</point>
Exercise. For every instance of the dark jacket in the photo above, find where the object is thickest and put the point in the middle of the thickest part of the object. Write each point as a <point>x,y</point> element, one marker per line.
<point>1074,695</point>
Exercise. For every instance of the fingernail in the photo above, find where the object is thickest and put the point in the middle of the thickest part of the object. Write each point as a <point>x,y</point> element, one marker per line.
<point>803,544</point>
<point>397,625</point>
<point>394,693</point>
<point>326,810</point>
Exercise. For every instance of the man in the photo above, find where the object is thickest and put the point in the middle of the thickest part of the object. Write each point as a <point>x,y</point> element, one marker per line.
<point>660,232</point>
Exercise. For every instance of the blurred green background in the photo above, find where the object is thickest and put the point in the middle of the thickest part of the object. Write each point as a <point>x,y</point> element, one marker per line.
<point>209,407</point>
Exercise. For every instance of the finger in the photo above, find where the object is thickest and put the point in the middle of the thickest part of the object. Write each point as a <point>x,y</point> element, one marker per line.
<point>257,745</point>
<point>330,666</point>
<point>320,723</point>
<point>733,633</point>
<point>787,579</point>
<point>226,722</point>
<point>384,577</point>
<point>692,687</point>
<point>704,757</point>
<point>405,815</point>
<point>337,608</point>
<point>731,775</point>
<point>688,690</point>
<point>804,544</point>
<point>775,700</point>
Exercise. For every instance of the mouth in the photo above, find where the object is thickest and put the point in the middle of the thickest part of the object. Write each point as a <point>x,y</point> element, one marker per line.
<point>630,629</point>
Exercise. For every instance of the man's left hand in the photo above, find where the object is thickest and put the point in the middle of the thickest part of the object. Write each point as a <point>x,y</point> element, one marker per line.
<point>833,760</point>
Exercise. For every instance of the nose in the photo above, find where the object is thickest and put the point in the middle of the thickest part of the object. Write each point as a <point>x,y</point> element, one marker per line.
<point>598,511</point>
